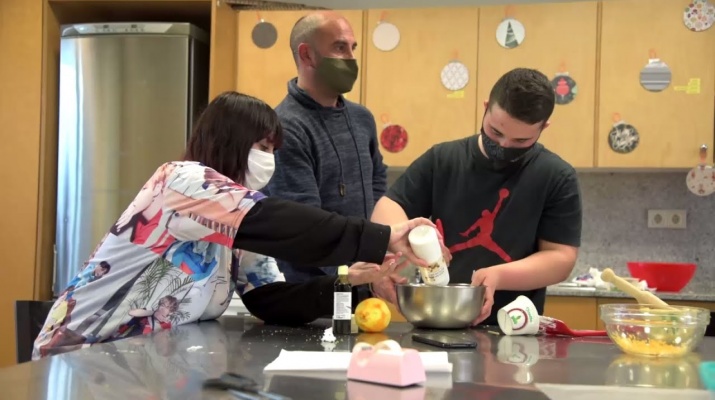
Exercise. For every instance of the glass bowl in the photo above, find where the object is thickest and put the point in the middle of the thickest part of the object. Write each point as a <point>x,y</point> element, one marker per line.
<point>647,331</point>
<point>649,372</point>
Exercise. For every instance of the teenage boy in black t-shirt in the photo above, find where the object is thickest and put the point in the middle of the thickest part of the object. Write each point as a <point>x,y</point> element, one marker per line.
<point>510,209</point>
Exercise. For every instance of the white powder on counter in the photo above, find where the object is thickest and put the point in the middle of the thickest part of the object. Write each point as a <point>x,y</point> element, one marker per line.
<point>328,336</point>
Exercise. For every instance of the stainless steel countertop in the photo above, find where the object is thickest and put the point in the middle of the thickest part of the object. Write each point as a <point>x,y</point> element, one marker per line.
<point>173,364</point>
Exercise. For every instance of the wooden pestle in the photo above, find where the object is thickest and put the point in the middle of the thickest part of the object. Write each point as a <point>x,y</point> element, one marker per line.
<point>642,296</point>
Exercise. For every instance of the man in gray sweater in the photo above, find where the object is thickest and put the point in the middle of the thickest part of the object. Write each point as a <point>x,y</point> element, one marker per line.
<point>330,157</point>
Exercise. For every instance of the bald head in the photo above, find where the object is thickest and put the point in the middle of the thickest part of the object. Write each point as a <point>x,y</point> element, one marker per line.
<point>319,29</point>
<point>304,31</point>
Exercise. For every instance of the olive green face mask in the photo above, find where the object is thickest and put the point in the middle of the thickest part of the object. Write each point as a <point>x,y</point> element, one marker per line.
<point>339,74</point>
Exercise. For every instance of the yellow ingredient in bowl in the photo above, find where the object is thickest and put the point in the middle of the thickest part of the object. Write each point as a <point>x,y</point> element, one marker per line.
<point>649,347</point>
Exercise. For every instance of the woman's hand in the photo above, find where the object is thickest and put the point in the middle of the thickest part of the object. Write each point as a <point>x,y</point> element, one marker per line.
<point>400,244</point>
<point>385,287</point>
<point>445,250</point>
<point>361,273</point>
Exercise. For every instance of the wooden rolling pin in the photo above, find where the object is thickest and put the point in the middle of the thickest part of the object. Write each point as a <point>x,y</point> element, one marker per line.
<point>643,297</point>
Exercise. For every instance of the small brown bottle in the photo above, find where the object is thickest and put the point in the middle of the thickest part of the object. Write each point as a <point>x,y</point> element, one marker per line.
<point>342,303</point>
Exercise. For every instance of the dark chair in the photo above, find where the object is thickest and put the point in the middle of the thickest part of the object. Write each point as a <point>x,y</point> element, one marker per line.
<point>30,316</point>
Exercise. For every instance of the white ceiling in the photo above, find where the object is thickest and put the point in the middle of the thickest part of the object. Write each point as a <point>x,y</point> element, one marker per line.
<point>365,4</point>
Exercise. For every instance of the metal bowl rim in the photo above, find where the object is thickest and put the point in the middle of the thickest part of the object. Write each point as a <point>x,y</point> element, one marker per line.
<point>449,285</point>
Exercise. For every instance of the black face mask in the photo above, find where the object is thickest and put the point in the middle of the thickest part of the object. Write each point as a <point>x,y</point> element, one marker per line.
<point>496,152</point>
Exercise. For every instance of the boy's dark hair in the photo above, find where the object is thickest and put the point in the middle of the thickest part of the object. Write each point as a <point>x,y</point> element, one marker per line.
<point>525,94</point>
<point>227,129</point>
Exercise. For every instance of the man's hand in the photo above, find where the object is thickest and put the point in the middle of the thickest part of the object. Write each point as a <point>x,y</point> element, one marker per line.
<point>399,243</point>
<point>488,277</point>
<point>385,287</point>
<point>361,273</point>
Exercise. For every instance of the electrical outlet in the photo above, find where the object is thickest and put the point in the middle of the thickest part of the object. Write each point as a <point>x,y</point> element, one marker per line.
<point>667,219</point>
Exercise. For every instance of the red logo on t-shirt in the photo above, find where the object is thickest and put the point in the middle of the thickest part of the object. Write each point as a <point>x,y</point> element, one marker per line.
<point>485,224</point>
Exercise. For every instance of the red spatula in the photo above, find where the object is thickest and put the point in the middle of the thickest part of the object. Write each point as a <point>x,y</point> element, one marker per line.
<point>556,327</point>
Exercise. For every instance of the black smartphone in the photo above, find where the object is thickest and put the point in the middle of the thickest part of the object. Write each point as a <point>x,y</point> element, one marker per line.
<point>444,341</point>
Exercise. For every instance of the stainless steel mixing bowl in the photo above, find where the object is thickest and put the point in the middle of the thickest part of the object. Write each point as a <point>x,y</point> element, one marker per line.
<point>454,306</point>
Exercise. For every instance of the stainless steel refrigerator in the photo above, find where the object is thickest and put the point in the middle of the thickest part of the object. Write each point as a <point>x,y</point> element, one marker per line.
<point>129,94</point>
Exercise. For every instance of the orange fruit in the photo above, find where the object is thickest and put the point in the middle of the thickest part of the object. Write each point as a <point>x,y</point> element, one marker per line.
<point>372,315</point>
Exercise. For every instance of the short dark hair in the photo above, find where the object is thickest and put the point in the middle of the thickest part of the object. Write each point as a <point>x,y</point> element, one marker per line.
<point>525,94</point>
<point>227,129</point>
<point>303,32</point>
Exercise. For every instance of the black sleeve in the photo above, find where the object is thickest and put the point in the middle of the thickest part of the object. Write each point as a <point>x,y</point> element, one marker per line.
<point>413,189</point>
<point>561,219</point>
<point>310,236</point>
<point>291,303</point>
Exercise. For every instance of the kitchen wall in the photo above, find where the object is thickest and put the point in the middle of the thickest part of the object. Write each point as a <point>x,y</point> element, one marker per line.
<point>615,208</point>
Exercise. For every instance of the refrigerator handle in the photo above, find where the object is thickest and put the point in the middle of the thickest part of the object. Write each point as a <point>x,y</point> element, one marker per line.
<point>54,269</point>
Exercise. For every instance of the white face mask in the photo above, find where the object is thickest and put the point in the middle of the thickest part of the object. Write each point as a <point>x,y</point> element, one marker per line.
<point>260,169</point>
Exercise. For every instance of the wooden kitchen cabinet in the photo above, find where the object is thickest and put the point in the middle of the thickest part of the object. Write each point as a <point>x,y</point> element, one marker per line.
<point>675,122</point>
<point>404,86</point>
<point>576,312</point>
<point>395,315</point>
<point>21,102</point>
<point>558,36</point>
<point>264,73</point>
<point>222,67</point>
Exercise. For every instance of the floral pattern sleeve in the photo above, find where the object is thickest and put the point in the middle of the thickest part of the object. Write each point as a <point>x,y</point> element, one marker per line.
<point>256,270</point>
<point>167,261</point>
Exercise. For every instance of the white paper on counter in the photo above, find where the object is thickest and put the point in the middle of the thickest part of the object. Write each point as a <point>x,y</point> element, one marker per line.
<point>320,361</point>
<point>434,380</point>
<point>589,392</point>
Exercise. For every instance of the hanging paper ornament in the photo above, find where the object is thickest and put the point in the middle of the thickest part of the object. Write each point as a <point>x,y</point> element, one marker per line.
<point>393,137</point>
<point>623,137</point>
<point>692,87</point>
<point>564,86</point>
<point>699,15</point>
<point>656,75</point>
<point>701,179</point>
<point>455,75</point>
<point>386,36</point>
<point>510,32</point>
<point>264,34</point>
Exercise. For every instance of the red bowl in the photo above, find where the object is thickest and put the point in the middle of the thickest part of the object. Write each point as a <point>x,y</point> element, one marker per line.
<point>664,277</point>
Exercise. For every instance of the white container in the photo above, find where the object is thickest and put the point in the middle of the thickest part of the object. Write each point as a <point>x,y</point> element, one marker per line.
<point>425,244</point>
<point>519,317</point>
